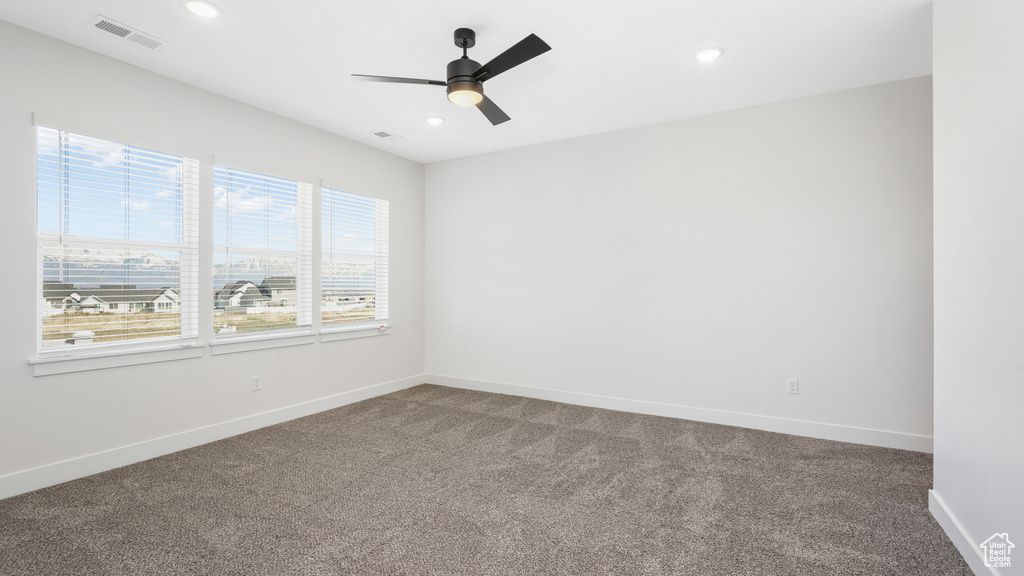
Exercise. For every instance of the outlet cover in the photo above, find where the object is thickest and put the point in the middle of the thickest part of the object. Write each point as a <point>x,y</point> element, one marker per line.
<point>792,386</point>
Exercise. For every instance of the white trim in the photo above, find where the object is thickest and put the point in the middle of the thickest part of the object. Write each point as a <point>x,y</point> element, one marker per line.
<point>50,474</point>
<point>967,547</point>
<point>48,366</point>
<point>304,256</point>
<point>821,430</point>
<point>232,344</point>
<point>316,237</point>
<point>353,332</point>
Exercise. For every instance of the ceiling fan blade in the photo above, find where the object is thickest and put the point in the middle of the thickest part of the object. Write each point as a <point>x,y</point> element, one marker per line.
<point>527,48</point>
<point>490,109</point>
<point>398,80</point>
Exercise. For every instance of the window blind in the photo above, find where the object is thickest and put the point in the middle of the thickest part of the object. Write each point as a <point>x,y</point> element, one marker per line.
<point>117,243</point>
<point>262,252</point>
<point>354,263</point>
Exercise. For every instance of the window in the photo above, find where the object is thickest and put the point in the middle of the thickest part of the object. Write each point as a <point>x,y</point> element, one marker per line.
<point>262,252</point>
<point>116,224</point>
<point>354,266</point>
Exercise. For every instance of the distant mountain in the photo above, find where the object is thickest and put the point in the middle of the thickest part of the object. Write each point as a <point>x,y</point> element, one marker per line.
<point>254,269</point>
<point>86,267</point>
<point>95,256</point>
<point>90,267</point>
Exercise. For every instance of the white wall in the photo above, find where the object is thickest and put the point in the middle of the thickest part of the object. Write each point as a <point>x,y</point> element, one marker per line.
<point>979,272</point>
<point>47,421</point>
<point>690,268</point>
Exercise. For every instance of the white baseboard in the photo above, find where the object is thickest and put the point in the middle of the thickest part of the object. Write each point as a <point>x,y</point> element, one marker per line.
<point>50,474</point>
<point>968,548</point>
<point>821,430</point>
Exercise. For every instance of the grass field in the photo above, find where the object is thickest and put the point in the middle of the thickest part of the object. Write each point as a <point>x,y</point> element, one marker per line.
<point>110,327</point>
<point>366,313</point>
<point>243,322</point>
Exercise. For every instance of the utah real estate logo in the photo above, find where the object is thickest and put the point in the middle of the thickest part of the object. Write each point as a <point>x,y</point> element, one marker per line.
<point>997,550</point>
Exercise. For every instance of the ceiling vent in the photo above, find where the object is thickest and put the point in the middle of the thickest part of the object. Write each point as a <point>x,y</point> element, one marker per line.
<point>129,34</point>
<point>387,135</point>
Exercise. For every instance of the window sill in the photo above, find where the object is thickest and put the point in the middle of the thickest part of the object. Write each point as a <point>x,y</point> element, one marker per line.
<point>353,332</point>
<point>81,362</point>
<point>234,344</point>
<point>103,359</point>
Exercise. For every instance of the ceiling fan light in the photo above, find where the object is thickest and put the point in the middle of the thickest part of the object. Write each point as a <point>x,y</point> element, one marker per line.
<point>465,97</point>
<point>465,93</point>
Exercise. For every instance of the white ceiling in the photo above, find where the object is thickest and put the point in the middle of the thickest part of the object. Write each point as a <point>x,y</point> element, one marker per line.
<point>613,64</point>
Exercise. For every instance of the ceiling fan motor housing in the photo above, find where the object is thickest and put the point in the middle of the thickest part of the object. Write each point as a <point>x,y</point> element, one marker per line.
<point>460,75</point>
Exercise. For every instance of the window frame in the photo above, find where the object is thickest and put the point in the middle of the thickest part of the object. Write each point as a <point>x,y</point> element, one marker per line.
<point>199,233</point>
<point>188,246</point>
<point>380,324</point>
<point>303,254</point>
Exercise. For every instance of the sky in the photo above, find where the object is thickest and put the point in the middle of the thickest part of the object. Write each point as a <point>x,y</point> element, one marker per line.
<point>108,197</point>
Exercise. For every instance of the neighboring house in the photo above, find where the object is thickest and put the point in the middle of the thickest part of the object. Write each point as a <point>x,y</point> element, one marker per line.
<point>281,290</point>
<point>58,297</point>
<point>121,299</point>
<point>241,294</point>
<point>125,299</point>
<point>133,300</point>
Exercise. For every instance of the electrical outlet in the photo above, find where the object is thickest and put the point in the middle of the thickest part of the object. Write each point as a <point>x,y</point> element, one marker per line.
<point>256,384</point>
<point>792,386</point>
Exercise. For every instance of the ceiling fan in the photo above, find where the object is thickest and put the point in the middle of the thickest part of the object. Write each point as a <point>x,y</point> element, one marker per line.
<point>466,77</point>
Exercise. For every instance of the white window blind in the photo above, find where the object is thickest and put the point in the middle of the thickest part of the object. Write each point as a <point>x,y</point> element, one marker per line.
<point>262,252</point>
<point>354,264</point>
<point>117,240</point>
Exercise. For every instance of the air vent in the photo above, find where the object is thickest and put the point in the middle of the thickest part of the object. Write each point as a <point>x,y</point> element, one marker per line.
<point>387,135</point>
<point>128,33</point>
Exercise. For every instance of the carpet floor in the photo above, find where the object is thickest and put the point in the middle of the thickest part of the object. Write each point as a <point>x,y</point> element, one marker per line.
<point>441,481</point>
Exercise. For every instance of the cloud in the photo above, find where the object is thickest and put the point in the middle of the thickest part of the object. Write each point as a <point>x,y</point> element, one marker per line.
<point>243,200</point>
<point>137,205</point>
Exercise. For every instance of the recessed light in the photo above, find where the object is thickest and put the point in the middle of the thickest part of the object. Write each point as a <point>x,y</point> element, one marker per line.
<point>435,120</point>
<point>708,55</point>
<point>202,8</point>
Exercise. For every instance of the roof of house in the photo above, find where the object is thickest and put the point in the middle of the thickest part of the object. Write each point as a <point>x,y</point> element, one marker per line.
<point>53,290</point>
<point>105,293</point>
<point>111,295</point>
<point>279,283</point>
<point>238,287</point>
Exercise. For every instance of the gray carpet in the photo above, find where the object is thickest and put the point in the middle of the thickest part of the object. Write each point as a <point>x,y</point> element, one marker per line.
<point>435,480</point>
